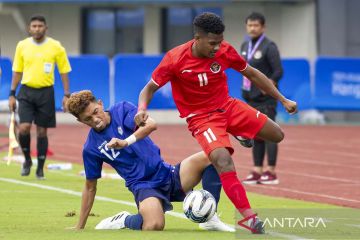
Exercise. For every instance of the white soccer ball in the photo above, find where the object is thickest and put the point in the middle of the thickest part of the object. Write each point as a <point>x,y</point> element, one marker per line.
<point>199,206</point>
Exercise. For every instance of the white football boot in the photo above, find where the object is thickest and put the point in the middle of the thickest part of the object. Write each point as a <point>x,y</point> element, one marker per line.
<point>114,222</point>
<point>215,224</point>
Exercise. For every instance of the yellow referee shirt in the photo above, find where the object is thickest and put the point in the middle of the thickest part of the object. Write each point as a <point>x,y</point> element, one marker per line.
<point>36,61</point>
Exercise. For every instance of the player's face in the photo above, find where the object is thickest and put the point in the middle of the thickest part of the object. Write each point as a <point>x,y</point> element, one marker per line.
<point>207,45</point>
<point>37,30</point>
<point>94,116</point>
<point>254,28</point>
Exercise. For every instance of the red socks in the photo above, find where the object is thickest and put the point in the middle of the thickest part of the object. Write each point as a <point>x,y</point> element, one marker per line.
<point>236,192</point>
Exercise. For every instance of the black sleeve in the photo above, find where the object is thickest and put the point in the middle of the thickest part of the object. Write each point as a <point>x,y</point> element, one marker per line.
<point>242,49</point>
<point>273,57</point>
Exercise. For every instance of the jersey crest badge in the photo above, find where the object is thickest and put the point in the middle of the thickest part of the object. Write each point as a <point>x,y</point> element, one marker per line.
<point>215,67</point>
<point>120,131</point>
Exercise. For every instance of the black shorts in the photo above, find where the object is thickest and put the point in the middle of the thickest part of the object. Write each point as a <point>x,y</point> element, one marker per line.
<point>37,105</point>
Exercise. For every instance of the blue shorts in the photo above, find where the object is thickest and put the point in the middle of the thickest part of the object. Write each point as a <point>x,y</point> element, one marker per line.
<point>171,192</point>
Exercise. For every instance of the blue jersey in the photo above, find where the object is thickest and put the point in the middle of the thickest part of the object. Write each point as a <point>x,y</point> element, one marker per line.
<point>140,164</point>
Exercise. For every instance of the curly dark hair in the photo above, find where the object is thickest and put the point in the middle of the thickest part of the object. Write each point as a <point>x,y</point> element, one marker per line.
<point>208,22</point>
<point>78,102</point>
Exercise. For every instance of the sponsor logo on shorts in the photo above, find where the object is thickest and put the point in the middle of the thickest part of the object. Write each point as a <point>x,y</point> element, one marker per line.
<point>257,114</point>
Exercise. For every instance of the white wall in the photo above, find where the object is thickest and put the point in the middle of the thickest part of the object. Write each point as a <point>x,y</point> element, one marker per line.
<point>63,21</point>
<point>298,31</point>
<point>152,30</point>
<point>291,26</point>
<point>9,33</point>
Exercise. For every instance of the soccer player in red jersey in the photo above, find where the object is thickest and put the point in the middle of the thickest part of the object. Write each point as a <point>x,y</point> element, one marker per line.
<point>196,71</point>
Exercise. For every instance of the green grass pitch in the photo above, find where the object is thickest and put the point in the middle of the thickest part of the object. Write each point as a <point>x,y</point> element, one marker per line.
<point>31,212</point>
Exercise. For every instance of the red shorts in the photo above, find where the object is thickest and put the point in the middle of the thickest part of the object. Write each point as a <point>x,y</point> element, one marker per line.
<point>236,117</point>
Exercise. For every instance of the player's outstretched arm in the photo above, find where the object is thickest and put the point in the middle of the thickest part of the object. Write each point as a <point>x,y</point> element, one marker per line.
<point>265,84</point>
<point>88,196</point>
<point>140,133</point>
<point>145,97</point>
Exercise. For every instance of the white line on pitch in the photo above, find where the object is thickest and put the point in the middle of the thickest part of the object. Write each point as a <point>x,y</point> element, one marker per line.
<point>107,199</point>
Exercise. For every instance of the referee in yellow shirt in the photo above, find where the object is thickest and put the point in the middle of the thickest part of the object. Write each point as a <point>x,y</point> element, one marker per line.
<point>34,64</point>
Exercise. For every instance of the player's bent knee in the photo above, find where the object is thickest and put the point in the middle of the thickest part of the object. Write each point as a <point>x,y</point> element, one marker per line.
<point>222,160</point>
<point>279,136</point>
<point>272,132</point>
<point>153,226</point>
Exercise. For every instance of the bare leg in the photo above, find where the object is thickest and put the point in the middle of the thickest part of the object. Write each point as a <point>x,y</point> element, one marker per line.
<point>271,131</point>
<point>222,161</point>
<point>153,214</point>
<point>191,170</point>
<point>198,167</point>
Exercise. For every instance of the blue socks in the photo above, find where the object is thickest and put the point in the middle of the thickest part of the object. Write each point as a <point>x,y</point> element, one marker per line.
<point>211,182</point>
<point>134,222</point>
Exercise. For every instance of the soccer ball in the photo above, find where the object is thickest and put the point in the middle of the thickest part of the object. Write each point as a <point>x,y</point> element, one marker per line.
<point>199,206</point>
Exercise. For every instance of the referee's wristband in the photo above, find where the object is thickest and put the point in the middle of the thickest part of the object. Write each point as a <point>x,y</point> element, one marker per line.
<point>131,139</point>
<point>12,93</point>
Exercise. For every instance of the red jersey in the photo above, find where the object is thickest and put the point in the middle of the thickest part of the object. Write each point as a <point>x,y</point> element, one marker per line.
<point>199,85</point>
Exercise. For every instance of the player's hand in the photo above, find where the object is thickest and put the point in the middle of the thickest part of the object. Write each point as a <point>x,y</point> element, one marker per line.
<point>117,143</point>
<point>12,104</point>
<point>290,106</point>
<point>64,106</point>
<point>141,117</point>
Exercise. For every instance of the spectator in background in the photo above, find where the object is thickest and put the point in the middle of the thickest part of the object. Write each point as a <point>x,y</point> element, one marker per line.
<point>262,54</point>
<point>34,65</point>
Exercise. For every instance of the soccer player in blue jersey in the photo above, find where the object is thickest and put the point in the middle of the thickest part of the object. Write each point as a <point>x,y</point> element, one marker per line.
<point>115,139</point>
